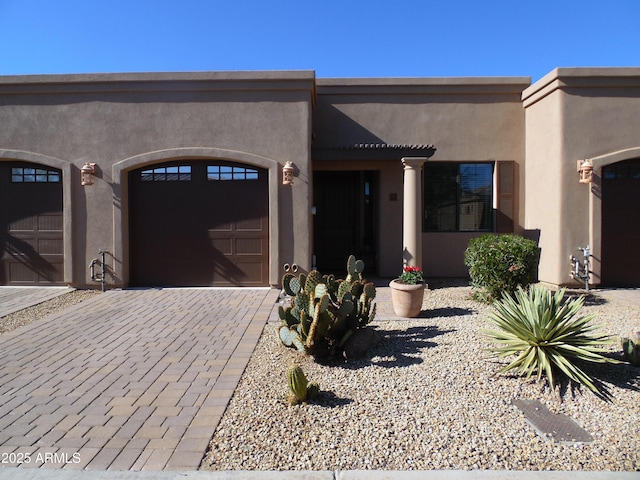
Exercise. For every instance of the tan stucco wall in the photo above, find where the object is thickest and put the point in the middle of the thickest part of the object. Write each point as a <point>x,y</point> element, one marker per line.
<point>466,119</point>
<point>130,120</point>
<point>126,121</point>
<point>573,114</point>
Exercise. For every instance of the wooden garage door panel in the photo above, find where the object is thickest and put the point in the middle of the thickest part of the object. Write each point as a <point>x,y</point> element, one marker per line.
<point>31,225</point>
<point>249,246</point>
<point>250,225</point>
<point>253,269</point>
<point>24,273</point>
<point>51,223</point>
<point>204,231</point>
<point>50,246</point>
<point>23,225</point>
<point>222,227</point>
<point>223,244</point>
<point>21,273</point>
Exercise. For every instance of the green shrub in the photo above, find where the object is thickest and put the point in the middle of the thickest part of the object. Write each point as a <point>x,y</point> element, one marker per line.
<point>546,333</point>
<point>499,264</point>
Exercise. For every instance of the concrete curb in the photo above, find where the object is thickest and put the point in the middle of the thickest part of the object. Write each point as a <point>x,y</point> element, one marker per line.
<point>14,473</point>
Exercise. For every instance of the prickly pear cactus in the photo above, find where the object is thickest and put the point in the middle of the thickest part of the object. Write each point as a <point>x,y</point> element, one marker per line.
<point>325,311</point>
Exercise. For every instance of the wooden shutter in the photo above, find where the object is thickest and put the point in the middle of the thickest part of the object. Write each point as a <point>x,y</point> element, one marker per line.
<point>506,196</point>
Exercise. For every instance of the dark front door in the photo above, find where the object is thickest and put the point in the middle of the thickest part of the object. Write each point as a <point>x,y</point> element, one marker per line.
<point>621,224</point>
<point>31,226</point>
<point>344,221</point>
<point>199,223</point>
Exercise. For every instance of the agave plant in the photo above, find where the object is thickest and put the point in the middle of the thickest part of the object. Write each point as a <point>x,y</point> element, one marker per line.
<point>546,333</point>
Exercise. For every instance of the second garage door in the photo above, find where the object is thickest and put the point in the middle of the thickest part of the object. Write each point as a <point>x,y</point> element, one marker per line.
<point>199,224</point>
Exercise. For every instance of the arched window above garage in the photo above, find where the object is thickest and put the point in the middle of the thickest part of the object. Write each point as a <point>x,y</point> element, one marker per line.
<point>626,170</point>
<point>171,173</point>
<point>228,172</point>
<point>34,175</point>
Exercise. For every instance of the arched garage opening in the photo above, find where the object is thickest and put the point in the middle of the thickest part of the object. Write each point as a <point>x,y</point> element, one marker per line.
<point>621,224</point>
<point>31,224</point>
<point>199,223</point>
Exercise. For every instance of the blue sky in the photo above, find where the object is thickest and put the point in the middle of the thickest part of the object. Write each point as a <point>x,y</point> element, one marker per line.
<point>336,38</point>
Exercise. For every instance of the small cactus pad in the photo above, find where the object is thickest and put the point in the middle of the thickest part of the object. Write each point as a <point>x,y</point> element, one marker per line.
<point>324,303</point>
<point>313,279</point>
<point>343,288</point>
<point>351,265</point>
<point>321,289</point>
<point>370,290</point>
<point>290,284</point>
<point>286,335</point>
<point>346,307</point>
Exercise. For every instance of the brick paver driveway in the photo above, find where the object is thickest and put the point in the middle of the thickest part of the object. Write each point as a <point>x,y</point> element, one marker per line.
<point>130,380</point>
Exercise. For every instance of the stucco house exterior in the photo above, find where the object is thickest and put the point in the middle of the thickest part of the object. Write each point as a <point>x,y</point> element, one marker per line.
<point>181,178</point>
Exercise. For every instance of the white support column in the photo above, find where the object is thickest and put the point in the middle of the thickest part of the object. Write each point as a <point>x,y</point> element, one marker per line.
<point>412,207</point>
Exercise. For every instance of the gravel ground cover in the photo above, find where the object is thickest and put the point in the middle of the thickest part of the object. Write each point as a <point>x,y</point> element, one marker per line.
<point>426,398</point>
<point>41,310</point>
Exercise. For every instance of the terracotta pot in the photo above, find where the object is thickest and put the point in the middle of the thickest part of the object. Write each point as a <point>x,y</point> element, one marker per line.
<point>407,299</point>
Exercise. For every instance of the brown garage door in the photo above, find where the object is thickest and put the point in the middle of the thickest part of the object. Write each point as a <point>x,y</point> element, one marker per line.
<point>621,224</point>
<point>31,235</point>
<point>199,224</point>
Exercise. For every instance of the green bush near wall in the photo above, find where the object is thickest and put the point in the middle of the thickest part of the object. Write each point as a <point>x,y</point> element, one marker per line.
<point>499,264</point>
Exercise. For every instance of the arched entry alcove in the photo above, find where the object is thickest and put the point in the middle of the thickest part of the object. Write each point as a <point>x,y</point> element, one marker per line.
<point>196,217</point>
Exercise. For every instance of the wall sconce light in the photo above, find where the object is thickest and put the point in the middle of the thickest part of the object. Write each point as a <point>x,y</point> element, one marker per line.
<point>86,174</point>
<point>287,173</point>
<point>585,169</point>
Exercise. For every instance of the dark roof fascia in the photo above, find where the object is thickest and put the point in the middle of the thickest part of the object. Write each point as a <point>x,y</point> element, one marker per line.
<point>372,152</point>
